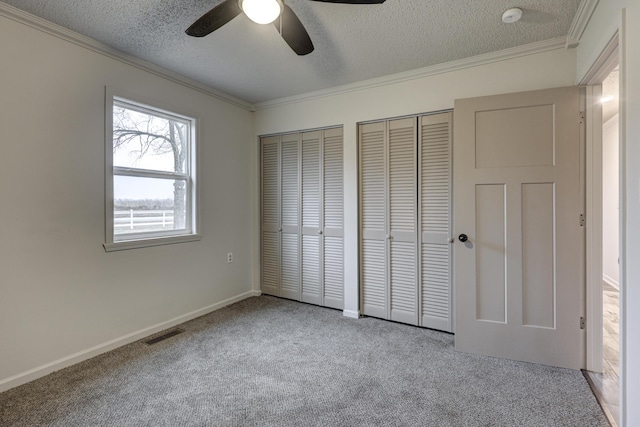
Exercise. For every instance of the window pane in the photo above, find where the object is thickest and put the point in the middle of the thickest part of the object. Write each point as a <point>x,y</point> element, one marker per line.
<point>143,205</point>
<point>146,141</point>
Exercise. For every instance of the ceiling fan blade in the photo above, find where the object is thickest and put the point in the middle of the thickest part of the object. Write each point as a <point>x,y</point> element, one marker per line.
<point>353,1</point>
<point>293,32</point>
<point>215,18</point>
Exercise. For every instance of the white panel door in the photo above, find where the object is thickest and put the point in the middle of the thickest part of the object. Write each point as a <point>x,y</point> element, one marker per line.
<point>290,216</point>
<point>270,215</point>
<point>333,219</point>
<point>518,277</point>
<point>435,221</point>
<point>402,223</point>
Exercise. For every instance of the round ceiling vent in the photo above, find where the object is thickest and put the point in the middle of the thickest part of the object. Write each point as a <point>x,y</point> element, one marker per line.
<point>512,15</point>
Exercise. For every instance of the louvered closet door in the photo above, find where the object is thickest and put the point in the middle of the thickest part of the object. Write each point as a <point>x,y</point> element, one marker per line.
<point>333,214</point>
<point>373,202</point>
<point>402,148</point>
<point>311,218</point>
<point>290,228</point>
<point>270,215</point>
<point>435,221</point>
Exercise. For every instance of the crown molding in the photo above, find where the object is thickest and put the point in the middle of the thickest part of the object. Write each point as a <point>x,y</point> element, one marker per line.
<point>447,67</point>
<point>585,10</point>
<point>604,63</point>
<point>60,32</point>
<point>580,21</point>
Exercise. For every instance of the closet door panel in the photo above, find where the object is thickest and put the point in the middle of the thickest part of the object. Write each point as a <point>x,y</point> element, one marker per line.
<point>333,272</point>
<point>333,193</point>
<point>435,204</point>
<point>403,282</point>
<point>290,280</point>
<point>374,278</point>
<point>270,265</point>
<point>333,213</point>
<point>373,202</point>
<point>270,216</point>
<point>311,291</point>
<point>311,217</point>
<point>403,220</point>
<point>311,202</point>
<point>290,222</point>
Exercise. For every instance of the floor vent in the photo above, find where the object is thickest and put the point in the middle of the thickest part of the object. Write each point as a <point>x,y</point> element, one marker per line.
<point>171,333</point>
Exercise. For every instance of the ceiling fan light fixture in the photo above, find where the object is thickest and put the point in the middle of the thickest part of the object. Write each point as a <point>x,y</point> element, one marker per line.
<point>261,11</point>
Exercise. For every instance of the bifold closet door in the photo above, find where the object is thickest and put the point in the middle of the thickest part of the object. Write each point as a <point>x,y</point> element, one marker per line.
<point>322,213</point>
<point>311,218</point>
<point>290,217</point>
<point>270,215</point>
<point>435,221</point>
<point>332,218</point>
<point>403,221</point>
<point>373,219</point>
<point>280,261</point>
<point>302,217</point>
<point>388,177</point>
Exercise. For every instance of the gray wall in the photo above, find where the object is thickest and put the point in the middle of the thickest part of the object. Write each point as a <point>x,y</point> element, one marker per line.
<point>62,298</point>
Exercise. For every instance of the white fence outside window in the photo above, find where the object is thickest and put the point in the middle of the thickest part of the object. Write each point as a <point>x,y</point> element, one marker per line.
<point>134,221</point>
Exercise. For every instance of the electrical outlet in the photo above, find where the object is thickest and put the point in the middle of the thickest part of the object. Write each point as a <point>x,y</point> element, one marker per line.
<point>229,257</point>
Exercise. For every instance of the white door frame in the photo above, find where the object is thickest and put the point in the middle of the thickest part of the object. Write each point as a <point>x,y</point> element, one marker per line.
<point>604,64</point>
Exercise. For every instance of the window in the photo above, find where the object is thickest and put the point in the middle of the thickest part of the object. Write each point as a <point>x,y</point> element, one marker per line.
<point>150,176</point>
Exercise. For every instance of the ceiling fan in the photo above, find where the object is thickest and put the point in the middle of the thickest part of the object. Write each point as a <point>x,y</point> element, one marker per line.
<point>264,12</point>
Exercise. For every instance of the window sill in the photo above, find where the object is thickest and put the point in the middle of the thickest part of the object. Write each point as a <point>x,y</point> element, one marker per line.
<point>145,243</point>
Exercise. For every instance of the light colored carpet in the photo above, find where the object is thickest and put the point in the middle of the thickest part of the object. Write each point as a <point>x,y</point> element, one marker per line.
<point>271,362</point>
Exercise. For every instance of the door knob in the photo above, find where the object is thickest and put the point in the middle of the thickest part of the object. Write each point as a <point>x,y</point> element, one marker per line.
<point>319,231</point>
<point>463,238</point>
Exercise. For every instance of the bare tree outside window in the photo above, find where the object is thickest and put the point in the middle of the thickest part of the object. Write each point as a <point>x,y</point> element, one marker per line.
<point>149,151</point>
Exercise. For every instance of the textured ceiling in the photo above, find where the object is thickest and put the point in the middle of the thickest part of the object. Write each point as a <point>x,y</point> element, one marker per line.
<point>352,42</point>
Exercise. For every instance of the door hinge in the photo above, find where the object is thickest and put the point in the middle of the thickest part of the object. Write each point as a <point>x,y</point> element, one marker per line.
<point>582,220</point>
<point>582,322</point>
<point>581,117</point>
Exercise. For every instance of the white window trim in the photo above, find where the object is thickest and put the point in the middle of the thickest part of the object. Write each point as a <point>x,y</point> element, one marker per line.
<point>142,240</point>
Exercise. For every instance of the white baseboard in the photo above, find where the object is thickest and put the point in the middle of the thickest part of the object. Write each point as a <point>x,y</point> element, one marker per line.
<point>611,281</point>
<point>351,313</point>
<point>56,365</point>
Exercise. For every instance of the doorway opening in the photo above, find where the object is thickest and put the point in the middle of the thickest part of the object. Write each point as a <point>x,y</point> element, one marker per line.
<point>607,382</point>
<point>603,231</point>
